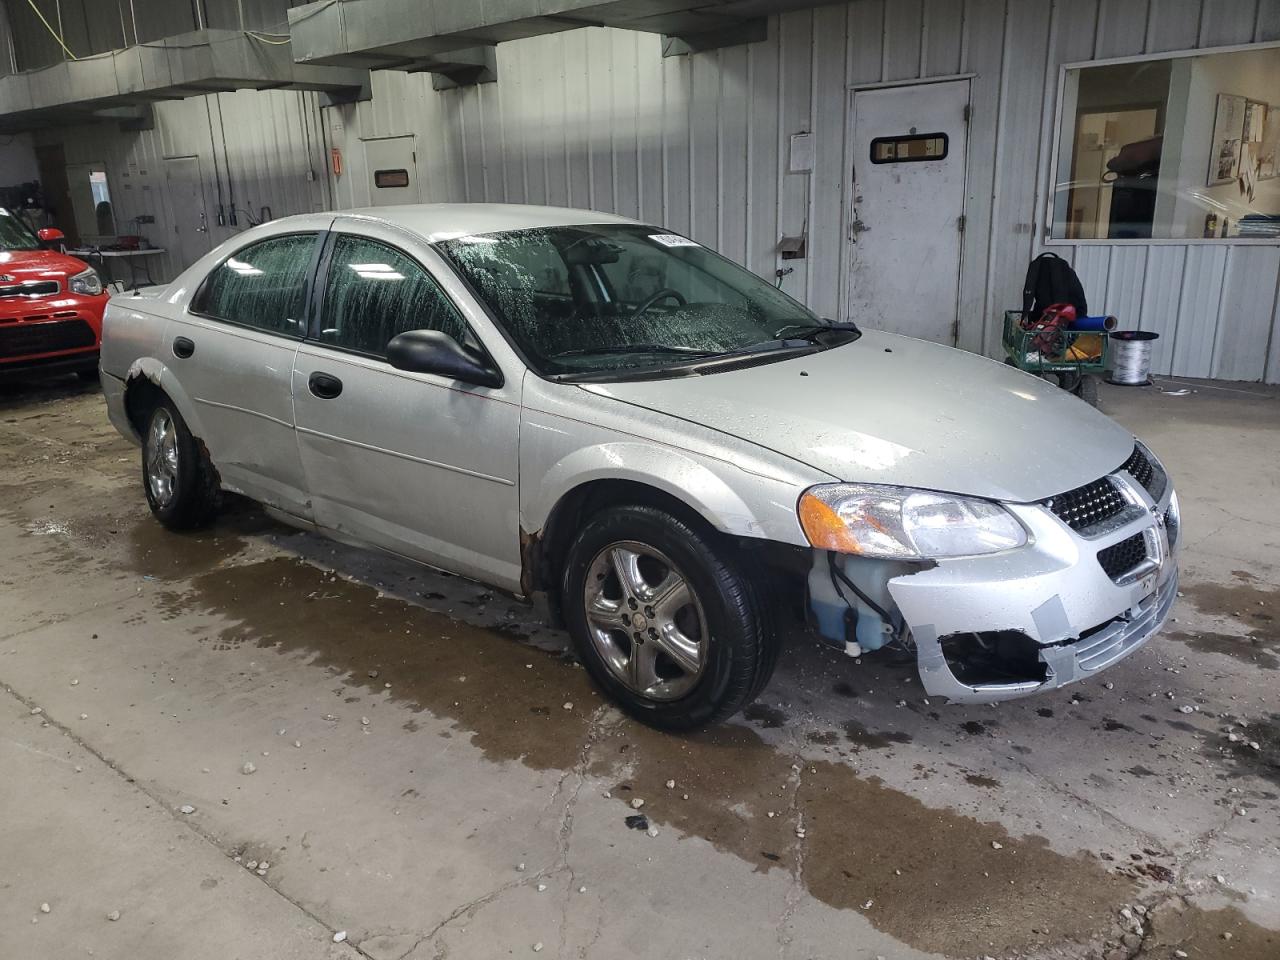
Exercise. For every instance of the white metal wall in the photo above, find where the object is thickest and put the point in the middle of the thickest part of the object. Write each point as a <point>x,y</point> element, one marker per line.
<point>598,118</point>
<point>274,154</point>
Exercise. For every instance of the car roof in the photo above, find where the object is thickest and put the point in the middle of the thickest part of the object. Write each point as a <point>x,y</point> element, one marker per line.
<point>445,221</point>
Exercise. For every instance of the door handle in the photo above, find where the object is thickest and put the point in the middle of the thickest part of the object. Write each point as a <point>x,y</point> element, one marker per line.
<point>183,347</point>
<point>324,385</point>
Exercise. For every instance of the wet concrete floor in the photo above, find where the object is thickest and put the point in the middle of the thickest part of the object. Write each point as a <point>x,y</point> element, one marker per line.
<point>434,775</point>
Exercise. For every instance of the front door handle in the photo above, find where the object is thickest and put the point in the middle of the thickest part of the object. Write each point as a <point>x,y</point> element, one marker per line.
<point>183,347</point>
<point>324,385</point>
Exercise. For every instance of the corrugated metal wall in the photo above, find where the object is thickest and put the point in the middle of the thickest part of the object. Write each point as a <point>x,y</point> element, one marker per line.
<point>598,118</point>
<point>274,155</point>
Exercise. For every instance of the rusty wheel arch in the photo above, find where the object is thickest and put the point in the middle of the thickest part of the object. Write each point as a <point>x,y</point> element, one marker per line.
<point>543,552</point>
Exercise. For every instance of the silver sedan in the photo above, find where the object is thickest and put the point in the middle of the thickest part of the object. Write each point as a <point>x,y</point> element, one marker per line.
<point>680,457</point>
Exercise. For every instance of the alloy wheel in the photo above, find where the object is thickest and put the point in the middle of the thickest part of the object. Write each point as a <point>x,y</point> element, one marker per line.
<point>645,620</point>
<point>162,458</point>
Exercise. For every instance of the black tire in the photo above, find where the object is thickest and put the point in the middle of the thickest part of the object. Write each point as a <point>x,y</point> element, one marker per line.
<point>741,648</point>
<point>191,499</point>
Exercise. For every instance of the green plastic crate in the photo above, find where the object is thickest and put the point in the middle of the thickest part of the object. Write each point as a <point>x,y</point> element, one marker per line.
<point>1022,353</point>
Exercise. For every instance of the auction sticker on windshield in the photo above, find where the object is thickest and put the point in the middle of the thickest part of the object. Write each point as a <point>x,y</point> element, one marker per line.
<point>672,240</point>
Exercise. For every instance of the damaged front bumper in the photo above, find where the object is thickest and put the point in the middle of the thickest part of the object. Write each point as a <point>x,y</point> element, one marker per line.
<point>1012,624</point>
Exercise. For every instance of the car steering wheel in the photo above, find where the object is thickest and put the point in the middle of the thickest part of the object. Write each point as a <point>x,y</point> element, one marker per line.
<point>666,293</point>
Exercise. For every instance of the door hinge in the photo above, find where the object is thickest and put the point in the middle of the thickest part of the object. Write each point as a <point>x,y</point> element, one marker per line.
<point>960,223</point>
<point>967,108</point>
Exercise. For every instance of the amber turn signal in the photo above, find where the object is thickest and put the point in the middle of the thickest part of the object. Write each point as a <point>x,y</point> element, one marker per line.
<point>824,528</point>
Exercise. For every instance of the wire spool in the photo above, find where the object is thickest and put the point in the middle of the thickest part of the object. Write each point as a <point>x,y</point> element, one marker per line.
<point>1131,357</point>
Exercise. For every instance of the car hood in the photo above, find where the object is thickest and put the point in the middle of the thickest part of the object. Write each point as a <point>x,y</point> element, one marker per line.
<point>38,264</point>
<point>890,409</point>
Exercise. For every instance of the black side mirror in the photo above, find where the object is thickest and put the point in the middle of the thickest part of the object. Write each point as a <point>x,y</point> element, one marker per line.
<point>430,351</point>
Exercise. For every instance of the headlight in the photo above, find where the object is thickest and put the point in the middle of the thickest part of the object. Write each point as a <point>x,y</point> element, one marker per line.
<point>901,523</point>
<point>87,282</point>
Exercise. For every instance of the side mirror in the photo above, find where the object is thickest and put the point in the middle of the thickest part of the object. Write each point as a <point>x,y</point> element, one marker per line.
<point>430,351</point>
<point>50,236</point>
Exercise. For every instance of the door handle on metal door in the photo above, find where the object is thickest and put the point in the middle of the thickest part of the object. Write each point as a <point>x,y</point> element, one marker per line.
<point>183,347</point>
<point>324,385</point>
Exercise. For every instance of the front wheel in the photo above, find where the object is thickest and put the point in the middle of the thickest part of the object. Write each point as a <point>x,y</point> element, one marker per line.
<point>179,480</point>
<point>663,620</point>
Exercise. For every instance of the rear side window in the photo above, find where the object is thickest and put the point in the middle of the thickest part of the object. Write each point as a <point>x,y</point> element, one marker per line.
<point>262,286</point>
<point>374,293</point>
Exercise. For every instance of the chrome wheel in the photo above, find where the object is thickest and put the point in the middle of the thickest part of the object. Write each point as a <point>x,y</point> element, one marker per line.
<point>645,620</point>
<point>162,458</point>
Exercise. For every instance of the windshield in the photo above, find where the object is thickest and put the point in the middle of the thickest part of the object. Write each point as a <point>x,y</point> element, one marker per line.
<point>14,234</point>
<point>628,299</point>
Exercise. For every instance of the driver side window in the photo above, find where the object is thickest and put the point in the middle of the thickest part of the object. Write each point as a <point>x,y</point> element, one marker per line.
<point>374,292</point>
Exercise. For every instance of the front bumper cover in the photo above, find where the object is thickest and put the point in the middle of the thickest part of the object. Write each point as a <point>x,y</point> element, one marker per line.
<point>1053,595</point>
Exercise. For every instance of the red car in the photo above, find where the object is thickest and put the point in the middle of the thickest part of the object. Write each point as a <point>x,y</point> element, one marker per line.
<point>50,305</point>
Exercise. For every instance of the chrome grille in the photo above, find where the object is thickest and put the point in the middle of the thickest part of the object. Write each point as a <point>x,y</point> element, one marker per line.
<point>1140,467</point>
<point>1119,558</point>
<point>1087,506</point>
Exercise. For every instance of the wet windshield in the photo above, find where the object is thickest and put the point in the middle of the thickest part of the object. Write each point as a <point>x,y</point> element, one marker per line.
<point>14,234</point>
<point>628,299</point>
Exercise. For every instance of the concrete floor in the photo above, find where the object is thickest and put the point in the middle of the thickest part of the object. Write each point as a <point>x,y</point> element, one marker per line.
<point>436,779</point>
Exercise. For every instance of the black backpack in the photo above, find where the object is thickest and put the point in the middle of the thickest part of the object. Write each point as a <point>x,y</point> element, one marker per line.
<point>1051,280</point>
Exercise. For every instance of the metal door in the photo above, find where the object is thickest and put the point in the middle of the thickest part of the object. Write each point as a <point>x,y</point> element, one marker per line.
<point>907,217</point>
<point>237,371</point>
<point>391,163</point>
<point>190,238</point>
<point>418,464</point>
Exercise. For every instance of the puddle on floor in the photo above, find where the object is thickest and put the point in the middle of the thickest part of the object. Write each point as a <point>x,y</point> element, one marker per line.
<point>1263,762</point>
<point>934,878</point>
<point>1247,604</point>
<point>1200,934</point>
<point>509,697</point>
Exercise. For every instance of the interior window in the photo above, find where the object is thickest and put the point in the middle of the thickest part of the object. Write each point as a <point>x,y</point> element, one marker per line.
<point>375,292</point>
<point>262,285</point>
<point>1173,148</point>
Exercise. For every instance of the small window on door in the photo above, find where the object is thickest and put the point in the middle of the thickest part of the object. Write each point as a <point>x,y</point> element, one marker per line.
<point>375,292</point>
<point>390,178</point>
<point>910,148</point>
<point>262,286</point>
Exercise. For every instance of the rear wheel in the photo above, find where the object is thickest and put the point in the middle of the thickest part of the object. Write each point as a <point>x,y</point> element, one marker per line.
<point>180,483</point>
<point>663,620</point>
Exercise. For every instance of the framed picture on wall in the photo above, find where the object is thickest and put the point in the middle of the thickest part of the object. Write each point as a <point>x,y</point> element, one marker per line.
<point>1228,135</point>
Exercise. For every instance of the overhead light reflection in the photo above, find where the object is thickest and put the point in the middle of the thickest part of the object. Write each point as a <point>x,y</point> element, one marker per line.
<point>375,271</point>
<point>242,268</point>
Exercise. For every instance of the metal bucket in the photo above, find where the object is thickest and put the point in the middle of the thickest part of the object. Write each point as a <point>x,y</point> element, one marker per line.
<point>1131,357</point>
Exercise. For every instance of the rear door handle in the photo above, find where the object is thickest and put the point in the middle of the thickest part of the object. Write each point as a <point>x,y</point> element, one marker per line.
<point>183,347</point>
<point>324,385</point>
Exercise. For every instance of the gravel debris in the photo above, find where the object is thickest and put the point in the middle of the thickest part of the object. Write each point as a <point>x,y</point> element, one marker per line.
<point>248,768</point>
<point>340,936</point>
<point>186,808</point>
<point>113,916</point>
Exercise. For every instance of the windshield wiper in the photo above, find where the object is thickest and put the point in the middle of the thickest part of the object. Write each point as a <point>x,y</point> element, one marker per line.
<point>634,348</point>
<point>808,331</point>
